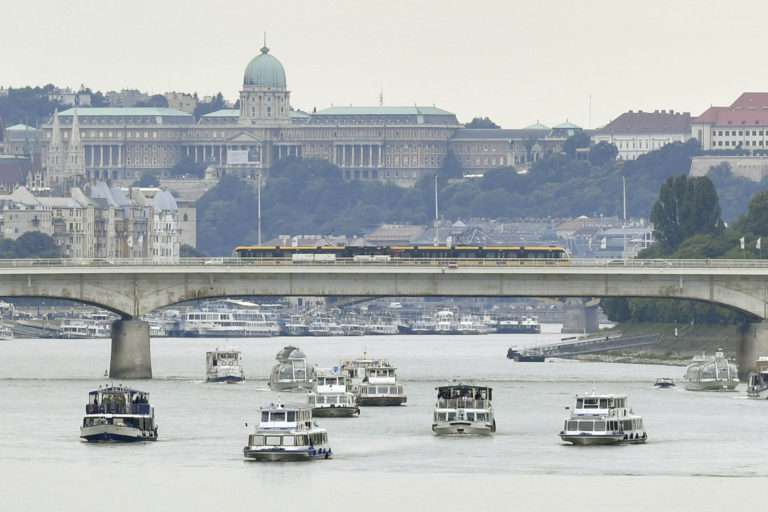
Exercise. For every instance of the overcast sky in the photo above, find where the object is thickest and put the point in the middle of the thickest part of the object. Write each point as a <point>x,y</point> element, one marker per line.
<point>514,61</point>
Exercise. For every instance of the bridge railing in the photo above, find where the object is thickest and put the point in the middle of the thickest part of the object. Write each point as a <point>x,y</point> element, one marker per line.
<point>428,262</point>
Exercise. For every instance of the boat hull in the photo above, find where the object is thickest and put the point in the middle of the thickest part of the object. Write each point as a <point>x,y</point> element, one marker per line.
<point>228,379</point>
<point>281,455</point>
<point>290,386</point>
<point>711,386</point>
<point>592,439</point>
<point>116,433</point>
<point>463,428</point>
<point>335,412</point>
<point>381,401</point>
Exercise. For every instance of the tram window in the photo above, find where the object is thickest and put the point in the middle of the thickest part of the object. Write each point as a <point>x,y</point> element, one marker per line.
<point>278,416</point>
<point>273,440</point>
<point>603,403</point>
<point>291,415</point>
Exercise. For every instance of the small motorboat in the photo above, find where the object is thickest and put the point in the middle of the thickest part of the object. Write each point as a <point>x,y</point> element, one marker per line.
<point>664,382</point>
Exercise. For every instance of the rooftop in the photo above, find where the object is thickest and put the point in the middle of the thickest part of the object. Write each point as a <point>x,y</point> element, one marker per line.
<point>123,112</point>
<point>382,111</point>
<point>659,121</point>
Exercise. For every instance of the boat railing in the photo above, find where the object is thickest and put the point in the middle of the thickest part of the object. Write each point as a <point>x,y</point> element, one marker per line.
<point>117,409</point>
<point>462,403</point>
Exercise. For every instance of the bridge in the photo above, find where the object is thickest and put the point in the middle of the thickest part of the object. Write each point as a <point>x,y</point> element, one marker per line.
<point>133,287</point>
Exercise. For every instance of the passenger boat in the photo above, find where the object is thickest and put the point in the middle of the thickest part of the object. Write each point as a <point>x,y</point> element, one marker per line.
<point>329,396</point>
<point>664,382</point>
<point>224,366</point>
<point>374,382</point>
<point>6,333</point>
<point>291,373</point>
<point>603,419</point>
<point>117,413</point>
<point>463,409</point>
<point>711,373</point>
<point>757,382</point>
<point>525,325</point>
<point>287,433</point>
<point>526,356</point>
<point>226,322</point>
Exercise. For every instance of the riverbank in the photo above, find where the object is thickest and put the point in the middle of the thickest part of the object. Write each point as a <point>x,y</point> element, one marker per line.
<point>674,350</point>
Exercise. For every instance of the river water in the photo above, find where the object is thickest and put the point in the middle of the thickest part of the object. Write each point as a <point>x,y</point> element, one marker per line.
<point>699,443</point>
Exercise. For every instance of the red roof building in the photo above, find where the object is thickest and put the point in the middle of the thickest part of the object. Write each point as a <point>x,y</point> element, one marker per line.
<point>741,126</point>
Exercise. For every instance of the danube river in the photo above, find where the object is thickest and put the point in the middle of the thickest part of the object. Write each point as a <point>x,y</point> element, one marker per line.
<point>705,450</point>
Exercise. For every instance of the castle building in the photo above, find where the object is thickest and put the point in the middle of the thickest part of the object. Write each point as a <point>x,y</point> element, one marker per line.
<point>388,143</point>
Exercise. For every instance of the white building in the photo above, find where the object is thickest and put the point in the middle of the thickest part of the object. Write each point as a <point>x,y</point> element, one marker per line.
<point>742,126</point>
<point>637,133</point>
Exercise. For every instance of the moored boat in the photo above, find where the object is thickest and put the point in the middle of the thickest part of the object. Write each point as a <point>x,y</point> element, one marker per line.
<point>329,396</point>
<point>664,382</point>
<point>287,433</point>
<point>374,382</point>
<point>291,373</point>
<point>603,419</point>
<point>117,413</point>
<point>526,356</point>
<point>757,382</point>
<point>463,409</point>
<point>224,366</point>
<point>711,373</point>
<point>525,325</point>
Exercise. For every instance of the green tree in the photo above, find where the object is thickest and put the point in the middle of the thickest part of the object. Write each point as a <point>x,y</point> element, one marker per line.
<point>187,251</point>
<point>217,103</point>
<point>155,101</point>
<point>34,244</point>
<point>481,122</point>
<point>576,141</point>
<point>602,153</point>
<point>147,180</point>
<point>186,167</point>
<point>685,207</point>
<point>451,167</point>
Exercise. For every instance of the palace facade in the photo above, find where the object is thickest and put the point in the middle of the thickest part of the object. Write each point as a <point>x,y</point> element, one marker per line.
<point>396,144</point>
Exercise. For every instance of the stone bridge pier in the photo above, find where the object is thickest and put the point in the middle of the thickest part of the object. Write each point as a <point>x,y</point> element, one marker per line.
<point>131,355</point>
<point>753,344</point>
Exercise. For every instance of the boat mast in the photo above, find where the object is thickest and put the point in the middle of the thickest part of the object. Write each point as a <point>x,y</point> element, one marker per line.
<point>437,237</point>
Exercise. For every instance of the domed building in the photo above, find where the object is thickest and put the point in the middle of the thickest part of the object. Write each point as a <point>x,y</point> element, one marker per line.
<point>398,144</point>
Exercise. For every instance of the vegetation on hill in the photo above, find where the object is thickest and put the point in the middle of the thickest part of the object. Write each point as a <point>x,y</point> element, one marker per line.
<point>29,245</point>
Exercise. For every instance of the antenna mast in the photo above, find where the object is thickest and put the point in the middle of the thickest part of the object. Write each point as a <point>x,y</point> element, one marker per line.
<point>437,213</point>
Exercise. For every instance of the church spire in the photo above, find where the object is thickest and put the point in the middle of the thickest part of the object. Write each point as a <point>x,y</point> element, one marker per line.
<point>56,130</point>
<point>74,137</point>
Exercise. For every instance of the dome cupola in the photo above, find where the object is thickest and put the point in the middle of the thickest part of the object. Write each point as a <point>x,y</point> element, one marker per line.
<point>265,71</point>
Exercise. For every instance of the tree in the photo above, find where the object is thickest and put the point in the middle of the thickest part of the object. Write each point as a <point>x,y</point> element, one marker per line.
<point>187,251</point>
<point>481,122</point>
<point>602,153</point>
<point>186,167</point>
<point>576,141</point>
<point>756,220</point>
<point>147,180</point>
<point>155,101</point>
<point>34,244</point>
<point>685,207</point>
<point>451,167</point>
<point>217,103</point>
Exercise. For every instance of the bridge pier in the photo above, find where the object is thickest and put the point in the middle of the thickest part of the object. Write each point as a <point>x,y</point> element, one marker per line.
<point>754,343</point>
<point>130,358</point>
<point>579,317</point>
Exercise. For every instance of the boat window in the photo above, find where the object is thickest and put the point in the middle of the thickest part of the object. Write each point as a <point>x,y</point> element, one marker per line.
<point>288,441</point>
<point>603,403</point>
<point>591,403</point>
<point>480,416</point>
<point>571,425</point>
<point>291,416</point>
<point>278,416</point>
<point>451,416</point>
<point>470,416</point>
<point>273,440</point>
<point>257,440</point>
<point>586,426</point>
<point>627,424</point>
<point>579,403</point>
<point>600,426</point>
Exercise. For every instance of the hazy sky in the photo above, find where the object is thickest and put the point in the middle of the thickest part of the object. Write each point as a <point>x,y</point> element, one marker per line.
<point>515,61</point>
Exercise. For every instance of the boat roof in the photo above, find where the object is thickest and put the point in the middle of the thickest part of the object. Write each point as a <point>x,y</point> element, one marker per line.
<point>117,389</point>
<point>285,407</point>
<point>224,351</point>
<point>463,387</point>
<point>290,352</point>
<point>327,372</point>
<point>369,362</point>
<point>601,395</point>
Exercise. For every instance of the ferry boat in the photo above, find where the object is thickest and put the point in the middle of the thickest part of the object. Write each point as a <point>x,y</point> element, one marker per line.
<point>757,382</point>
<point>6,333</point>
<point>664,382</point>
<point>471,325</point>
<point>526,356</point>
<point>291,373</point>
<point>525,325</point>
<point>329,396</point>
<point>711,373</point>
<point>603,419</point>
<point>117,413</point>
<point>374,382</point>
<point>228,323</point>
<point>463,409</point>
<point>224,366</point>
<point>287,433</point>
<point>84,329</point>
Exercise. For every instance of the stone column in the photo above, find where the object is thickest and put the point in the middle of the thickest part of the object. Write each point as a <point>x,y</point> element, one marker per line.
<point>381,164</point>
<point>101,156</point>
<point>370,155</point>
<point>130,358</point>
<point>753,344</point>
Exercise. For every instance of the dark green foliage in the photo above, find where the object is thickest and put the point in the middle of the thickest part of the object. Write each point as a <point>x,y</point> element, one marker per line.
<point>602,153</point>
<point>188,168</point>
<point>574,142</point>
<point>481,122</point>
<point>156,101</point>
<point>187,251</point>
<point>28,105</point>
<point>217,103</point>
<point>451,167</point>
<point>686,207</point>
<point>147,180</point>
<point>29,245</point>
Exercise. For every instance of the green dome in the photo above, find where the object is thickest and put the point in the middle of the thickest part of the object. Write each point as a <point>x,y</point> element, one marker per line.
<point>265,71</point>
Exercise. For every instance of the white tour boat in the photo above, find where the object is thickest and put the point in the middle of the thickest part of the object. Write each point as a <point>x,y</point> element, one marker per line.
<point>711,373</point>
<point>117,413</point>
<point>757,383</point>
<point>374,382</point>
<point>603,419</point>
<point>287,433</point>
<point>463,409</point>
<point>291,373</point>
<point>224,366</point>
<point>224,322</point>
<point>330,398</point>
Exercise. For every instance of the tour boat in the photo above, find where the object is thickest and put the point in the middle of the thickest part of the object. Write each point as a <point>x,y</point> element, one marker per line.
<point>711,373</point>
<point>603,419</point>
<point>757,383</point>
<point>664,382</point>
<point>291,373</point>
<point>226,322</point>
<point>526,325</point>
<point>6,333</point>
<point>287,433</point>
<point>224,366</point>
<point>329,397</point>
<point>526,356</point>
<point>117,413</point>
<point>463,409</point>
<point>374,382</point>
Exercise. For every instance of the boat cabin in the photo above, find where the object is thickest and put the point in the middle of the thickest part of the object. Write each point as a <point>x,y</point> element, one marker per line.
<point>118,400</point>
<point>223,358</point>
<point>280,417</point>
<point>327,381</point>
<point>601,405</point>
<point>463,396</point>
